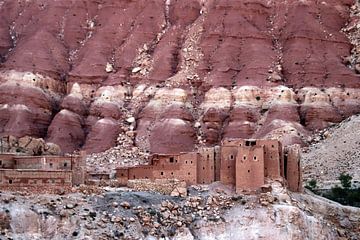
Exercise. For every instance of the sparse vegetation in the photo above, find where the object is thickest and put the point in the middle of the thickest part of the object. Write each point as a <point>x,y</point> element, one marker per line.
<point>311,185</point>
<point>344,194</point>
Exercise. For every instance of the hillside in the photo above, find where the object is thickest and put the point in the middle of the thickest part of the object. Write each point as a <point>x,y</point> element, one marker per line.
<point>170,76</point>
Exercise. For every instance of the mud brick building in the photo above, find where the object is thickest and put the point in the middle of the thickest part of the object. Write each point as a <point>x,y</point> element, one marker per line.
<point>246,164</point>
<point>41,171</point>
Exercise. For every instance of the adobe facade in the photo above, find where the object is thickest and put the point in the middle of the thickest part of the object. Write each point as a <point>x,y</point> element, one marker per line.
<point>41,171</point>
<point>246,164</point>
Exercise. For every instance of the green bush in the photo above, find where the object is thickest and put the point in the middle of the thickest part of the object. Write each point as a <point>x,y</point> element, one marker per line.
<point>311,185</point>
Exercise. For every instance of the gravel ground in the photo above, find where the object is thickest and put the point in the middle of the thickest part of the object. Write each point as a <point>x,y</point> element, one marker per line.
<point>335,150</point>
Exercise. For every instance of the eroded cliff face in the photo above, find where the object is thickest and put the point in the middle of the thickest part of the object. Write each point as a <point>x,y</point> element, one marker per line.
<point>174,75</point>
<point>207,213</point>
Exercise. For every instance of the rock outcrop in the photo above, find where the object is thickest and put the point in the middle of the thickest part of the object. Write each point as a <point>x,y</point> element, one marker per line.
<point>190,73</point>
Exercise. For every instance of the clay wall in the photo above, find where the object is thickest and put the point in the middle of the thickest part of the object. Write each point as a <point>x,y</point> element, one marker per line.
<point>31,178</point>
<point>43,162</point>
<point>227,167</point>
<point>78,166</point>
<point>217,156</point>
<point>7,161</point>
<point>141,172</point>
<point>122,176</point>
<point>272,157</point>
<point>182,167</point>
<point>206,166</point>
<point>293,168</point>
<point>249,168</point>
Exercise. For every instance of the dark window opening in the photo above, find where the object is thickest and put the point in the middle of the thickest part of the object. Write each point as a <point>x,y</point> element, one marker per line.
<point>51,165</point>
<point>188,173</point>
<point>228,167</point>
<point>248,171</point>
<point>65,164</point>
<point>171,159</point>
<point>244,157</point>
<point>254,157</point>
<point>162,173</point>
<point>134,177</point>
<point>0,162</point>
<point>203,168</point>
<point>191,162</point>
<point>186,162</point>
<point>258,98</point>
<point>122,174</point>
<point>231,157</point>
<point>10,181</point>
<point>172,173</point>
<point>250,143</point>
<point>272,146</point>
<point>285,166</point>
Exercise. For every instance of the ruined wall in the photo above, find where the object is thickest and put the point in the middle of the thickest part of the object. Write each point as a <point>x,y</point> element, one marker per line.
<point>37,178</point>
<point>43,162</point>
<point>217,153</point>
<point>7,161</point>
<point>122,176</point>
<point>182,167</point>
<point>293,168</point>
<point>249,168</point>
<point>272,157</point>
<point>78,166</point>
<point>206,166</point>
<point>141,172</point>
<point>228,154</point>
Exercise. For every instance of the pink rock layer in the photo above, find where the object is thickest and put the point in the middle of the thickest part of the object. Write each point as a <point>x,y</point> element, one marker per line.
<point>190,72</point>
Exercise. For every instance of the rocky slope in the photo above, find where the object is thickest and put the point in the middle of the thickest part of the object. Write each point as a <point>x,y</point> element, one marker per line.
<point>208,213</point>
<point>183,73</point>
<point>334,151</point>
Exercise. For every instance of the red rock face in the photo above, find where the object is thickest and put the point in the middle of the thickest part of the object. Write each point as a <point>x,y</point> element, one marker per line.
<point>191,72</point>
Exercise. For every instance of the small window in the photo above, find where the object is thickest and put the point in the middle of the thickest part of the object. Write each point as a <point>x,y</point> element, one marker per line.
<point>191,162</point>
<point>134,177</point>
<point>186,162</point>
<point>162,173</point>
<point>0,162</point>
<point>65,164</point>
<point>10,181</point>
<point>51,165</point>
<point>171,159</point>
<point>248,171</point>
<point>244,157</point>
<point>255,158</point>
<point>231,157</point>
<point>172,173</point>
<point>188,173</point>
<point>272,146</point>
<point>122,174</point>
<point>208,157</point>
<point>203,168</point>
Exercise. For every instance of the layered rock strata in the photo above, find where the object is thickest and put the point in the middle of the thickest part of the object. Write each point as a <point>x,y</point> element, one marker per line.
<point>174,75</point>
